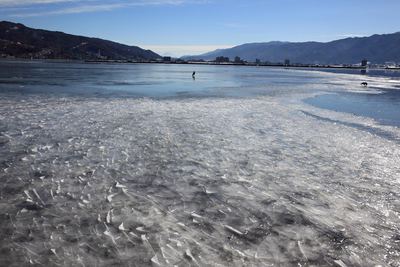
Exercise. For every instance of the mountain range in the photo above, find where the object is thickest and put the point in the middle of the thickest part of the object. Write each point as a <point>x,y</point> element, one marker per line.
<point>376,49</point>
<point>17,40</point>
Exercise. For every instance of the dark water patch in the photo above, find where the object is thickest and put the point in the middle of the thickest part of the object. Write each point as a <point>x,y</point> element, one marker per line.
<point>384,107</point>
<point>268,202</point>
<point>11,187</point>
<point>32,206</point>
<point>289,218</point>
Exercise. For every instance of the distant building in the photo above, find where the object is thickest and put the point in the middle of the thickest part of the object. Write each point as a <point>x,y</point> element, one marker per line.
<point>167,59</point>
<point>364,63</point>
<point>221,59</point>
<point>287,62</point>
<point>258,61</point>
<point>238,60</point>
<point>46,52</point>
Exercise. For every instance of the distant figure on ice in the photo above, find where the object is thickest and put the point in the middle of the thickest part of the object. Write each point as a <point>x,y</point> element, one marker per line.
<point>365,84</point>
<point>194,75</point>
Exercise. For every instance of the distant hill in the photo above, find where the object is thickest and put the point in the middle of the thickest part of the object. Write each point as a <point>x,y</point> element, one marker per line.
<point>376,48</point>
<point>20,41</point>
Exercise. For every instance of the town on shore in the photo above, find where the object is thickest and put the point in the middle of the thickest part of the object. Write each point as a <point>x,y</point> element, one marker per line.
<point>237,61</point>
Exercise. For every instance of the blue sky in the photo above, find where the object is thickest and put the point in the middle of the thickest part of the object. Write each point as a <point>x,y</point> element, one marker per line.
<point>181,27</point>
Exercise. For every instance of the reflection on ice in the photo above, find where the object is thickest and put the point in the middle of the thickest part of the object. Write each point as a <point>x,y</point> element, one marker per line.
<point>201,182</point>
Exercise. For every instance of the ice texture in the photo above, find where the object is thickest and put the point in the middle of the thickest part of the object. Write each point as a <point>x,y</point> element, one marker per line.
<point>258,181</point>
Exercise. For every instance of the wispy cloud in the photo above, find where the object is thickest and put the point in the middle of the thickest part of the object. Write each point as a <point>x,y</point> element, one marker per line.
<point>71,10</point>
<point>340,36</point>
<point>59,7</point>
<point>351,35</point>
<point>13,3</point>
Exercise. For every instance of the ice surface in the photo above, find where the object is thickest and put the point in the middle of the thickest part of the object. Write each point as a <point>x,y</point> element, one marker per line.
<point>251,181</point>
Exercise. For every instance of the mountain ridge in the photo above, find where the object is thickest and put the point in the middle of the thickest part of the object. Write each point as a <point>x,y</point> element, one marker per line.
<point>20,41</point>
<point>377,48</point>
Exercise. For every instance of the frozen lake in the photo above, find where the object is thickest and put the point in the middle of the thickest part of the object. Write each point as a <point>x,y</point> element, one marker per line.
<point>137,165</point>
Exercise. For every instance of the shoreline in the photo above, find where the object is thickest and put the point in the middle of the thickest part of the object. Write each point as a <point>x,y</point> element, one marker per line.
<point>207,63</point>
